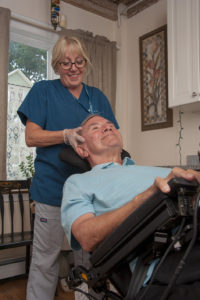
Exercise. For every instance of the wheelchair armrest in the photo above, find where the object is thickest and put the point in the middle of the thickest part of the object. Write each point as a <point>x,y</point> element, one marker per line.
<point>157,210</point>
<point>136,229</point>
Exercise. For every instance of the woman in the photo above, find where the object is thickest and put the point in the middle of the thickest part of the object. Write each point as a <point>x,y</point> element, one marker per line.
<point>52,112</point>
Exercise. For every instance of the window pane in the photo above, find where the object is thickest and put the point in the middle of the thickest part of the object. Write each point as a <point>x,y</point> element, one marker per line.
<point>31,61</point>
<point>27,65</point>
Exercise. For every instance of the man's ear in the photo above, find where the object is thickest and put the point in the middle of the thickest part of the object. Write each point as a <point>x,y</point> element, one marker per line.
<point>81,151</point>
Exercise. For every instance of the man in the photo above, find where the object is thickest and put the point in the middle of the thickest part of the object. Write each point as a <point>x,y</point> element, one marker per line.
<point>96,202</point>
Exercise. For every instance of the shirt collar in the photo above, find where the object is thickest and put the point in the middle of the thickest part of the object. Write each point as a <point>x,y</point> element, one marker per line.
<point>126,162</point>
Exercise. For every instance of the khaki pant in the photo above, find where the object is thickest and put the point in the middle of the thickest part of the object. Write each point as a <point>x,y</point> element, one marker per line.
<point>47,244</point>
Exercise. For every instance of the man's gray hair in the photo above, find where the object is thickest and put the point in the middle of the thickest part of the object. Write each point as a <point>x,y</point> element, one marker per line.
<point>88,118</point>
<point>85,121</point>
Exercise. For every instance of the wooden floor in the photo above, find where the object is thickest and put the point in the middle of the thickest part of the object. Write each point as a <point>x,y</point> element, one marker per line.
<point>16,290</point>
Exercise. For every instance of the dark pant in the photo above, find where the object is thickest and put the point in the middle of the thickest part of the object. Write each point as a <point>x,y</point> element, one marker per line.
<point>189,291</point>
<point>187,285</point>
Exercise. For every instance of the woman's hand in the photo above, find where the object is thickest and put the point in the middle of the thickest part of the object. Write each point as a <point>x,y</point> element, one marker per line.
<point>36,136</point>
<point>162,183</point>
<point>73,137</point>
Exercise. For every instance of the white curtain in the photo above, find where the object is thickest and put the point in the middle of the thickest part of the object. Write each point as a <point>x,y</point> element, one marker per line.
<point>102,54</point>
<point>4,46</point>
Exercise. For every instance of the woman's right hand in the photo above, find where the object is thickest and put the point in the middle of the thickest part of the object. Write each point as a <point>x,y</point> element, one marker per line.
<point>36,136</point>
<point>73,137</point>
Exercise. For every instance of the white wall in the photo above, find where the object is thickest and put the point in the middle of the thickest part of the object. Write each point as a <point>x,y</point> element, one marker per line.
<point>155,147</point>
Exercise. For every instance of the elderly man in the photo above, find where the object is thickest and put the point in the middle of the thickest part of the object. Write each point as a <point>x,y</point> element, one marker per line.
<point>96,202</point>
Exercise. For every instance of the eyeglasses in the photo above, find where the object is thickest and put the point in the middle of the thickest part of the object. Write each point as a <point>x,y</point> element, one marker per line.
<point>79,63</point>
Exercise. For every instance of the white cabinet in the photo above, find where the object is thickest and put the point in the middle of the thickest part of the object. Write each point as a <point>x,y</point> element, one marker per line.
<point>183,51</point>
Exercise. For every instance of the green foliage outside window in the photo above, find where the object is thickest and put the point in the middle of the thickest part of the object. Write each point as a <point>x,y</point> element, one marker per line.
<point>31,61</point>
<point>27,168</point>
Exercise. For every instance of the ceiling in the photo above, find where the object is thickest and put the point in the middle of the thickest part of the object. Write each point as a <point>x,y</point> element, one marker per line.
<point>111,9</point>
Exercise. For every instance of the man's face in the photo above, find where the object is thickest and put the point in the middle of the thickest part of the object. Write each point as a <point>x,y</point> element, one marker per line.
<point>100,135</point>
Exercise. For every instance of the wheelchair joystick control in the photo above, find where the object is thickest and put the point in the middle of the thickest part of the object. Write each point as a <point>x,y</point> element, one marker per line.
<point>185,191</point>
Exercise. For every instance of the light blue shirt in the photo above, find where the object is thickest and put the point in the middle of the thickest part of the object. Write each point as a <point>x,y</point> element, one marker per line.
<point>106,187</point>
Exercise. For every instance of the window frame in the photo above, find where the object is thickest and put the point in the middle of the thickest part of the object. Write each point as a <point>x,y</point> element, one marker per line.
<point>30,35</point>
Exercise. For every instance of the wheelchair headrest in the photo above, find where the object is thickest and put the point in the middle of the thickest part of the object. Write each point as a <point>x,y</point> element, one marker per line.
<point>68,155</point>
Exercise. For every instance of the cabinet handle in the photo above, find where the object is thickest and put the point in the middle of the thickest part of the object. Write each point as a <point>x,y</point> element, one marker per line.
<point>194,94</point>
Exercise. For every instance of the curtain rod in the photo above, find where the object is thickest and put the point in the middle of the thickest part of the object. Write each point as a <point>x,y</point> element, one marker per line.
<point>37,24</point>
<point>32,22</point>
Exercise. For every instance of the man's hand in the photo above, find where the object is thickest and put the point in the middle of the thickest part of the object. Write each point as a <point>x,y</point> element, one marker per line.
<point>162,183</point>
<point>73,137</point>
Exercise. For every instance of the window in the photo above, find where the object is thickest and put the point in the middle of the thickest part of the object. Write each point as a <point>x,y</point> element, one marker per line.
<point>27,65</point>
<point>29,62</point>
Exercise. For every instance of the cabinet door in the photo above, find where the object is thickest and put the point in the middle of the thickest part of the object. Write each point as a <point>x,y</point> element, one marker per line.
<point>183,52</point>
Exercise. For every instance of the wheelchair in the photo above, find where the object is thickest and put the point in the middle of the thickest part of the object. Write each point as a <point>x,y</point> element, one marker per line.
<point>164,229</point>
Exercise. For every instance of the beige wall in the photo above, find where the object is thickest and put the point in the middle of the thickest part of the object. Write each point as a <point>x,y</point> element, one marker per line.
<point>39,10</point>
<point>155,147</point>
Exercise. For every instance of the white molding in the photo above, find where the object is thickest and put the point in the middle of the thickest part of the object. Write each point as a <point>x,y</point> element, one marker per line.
<point>108,9</point>
<point>28,20</point>
<point>102,8</point>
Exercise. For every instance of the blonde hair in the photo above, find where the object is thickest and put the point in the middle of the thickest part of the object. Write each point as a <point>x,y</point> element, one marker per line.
<point>59,49</point>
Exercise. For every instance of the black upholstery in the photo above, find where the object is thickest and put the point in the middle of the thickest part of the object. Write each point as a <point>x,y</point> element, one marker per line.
<point>15,201</point>
<point>68,155</point>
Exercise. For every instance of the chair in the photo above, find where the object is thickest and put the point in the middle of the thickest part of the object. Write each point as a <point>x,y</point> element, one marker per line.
<point>16,218</point>
<point>146,232</point>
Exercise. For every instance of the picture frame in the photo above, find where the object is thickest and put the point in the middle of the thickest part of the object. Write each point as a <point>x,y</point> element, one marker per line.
<point>155,113</point>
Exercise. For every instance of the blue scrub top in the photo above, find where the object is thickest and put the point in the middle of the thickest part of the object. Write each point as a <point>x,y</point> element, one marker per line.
<point>51,106</point>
